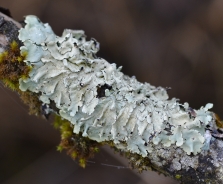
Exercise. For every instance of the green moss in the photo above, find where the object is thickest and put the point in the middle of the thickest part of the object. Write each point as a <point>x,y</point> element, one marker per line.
<point>82,162</point>
<point>12,68</point>
<point>74,154</point>
<point>3,55</point>
<point>32,100</point>
<point>14,45</point>
<point>59,148</point>
<point>77,147</point>
<point>178,176</point>
<point>57,122</point>
<point>13,86</point>
<point>12,65</point>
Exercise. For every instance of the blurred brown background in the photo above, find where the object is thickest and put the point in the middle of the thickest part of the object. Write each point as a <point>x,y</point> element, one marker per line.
<point>171,43</point>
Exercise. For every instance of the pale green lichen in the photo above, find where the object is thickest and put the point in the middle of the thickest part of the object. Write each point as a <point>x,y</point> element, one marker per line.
<point>100,101</point>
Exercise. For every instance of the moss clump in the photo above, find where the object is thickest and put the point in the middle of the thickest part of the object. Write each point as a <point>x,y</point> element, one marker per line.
<point>32,100</point>
<point>178,176</point>
<point>12,68</point>
<point>78,147</point>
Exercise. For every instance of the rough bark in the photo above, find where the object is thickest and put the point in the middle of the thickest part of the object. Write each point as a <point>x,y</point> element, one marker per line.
<point>205,166</point>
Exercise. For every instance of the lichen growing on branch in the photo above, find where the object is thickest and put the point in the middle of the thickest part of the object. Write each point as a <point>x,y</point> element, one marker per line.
<point>100,101</point>
<point>97,104</point>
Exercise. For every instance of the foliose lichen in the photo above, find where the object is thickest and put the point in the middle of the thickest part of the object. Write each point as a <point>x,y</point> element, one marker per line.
<point>100,101</point>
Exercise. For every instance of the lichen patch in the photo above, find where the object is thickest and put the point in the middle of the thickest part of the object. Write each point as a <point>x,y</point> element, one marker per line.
<point>100,101</point>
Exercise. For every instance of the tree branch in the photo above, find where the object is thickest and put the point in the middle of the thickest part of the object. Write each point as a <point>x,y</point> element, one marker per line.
<point>97,104</point>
